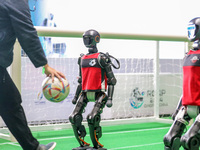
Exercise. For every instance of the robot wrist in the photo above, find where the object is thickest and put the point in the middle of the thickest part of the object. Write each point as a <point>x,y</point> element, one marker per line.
<point>109,103</point>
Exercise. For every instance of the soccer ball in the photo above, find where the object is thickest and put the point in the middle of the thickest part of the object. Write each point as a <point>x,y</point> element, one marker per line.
<point>55,91</point>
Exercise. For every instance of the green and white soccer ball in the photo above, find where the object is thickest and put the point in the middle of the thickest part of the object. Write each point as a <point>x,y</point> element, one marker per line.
<point>55,91</point>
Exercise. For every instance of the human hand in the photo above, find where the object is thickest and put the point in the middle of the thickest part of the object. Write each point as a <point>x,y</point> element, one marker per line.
<point>53,73</point>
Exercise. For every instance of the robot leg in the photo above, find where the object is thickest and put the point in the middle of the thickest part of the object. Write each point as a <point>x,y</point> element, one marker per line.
<point>94,119</point>
<point>76,119</point>
<point>172,138</point>
<point>191,140</point>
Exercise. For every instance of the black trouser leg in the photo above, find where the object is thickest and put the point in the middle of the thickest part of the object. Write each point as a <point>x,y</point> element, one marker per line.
<point>13,114</point>
<point>17,124</point>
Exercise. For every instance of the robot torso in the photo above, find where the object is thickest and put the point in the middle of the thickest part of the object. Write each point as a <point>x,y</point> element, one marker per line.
<point>191,78</point>
<point>93,75</point>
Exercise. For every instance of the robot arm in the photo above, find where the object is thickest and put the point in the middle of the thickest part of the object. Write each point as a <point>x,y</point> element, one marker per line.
<point>106,64</point>
<point>110,95</point>
<point>79,88</point>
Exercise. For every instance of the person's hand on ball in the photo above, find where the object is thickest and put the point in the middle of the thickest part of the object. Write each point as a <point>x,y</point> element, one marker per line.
<point>53,73</point>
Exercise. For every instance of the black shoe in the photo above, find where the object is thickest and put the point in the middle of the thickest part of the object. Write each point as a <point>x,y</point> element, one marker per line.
<point>49,146</point>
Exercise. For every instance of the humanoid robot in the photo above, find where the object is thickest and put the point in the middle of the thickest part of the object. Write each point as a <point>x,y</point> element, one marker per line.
<point>95,78</point>
<point>189,103</point>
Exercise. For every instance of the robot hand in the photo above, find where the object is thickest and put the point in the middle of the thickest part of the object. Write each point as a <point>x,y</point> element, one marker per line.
<point>109,103</point>
<point>74,100</point>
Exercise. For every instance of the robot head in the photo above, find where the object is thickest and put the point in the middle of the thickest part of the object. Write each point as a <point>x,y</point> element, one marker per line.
<point>91,38</point>
<point>194,29</point>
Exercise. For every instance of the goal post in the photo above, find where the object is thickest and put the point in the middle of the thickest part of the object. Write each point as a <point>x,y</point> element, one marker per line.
<point>139,94</point>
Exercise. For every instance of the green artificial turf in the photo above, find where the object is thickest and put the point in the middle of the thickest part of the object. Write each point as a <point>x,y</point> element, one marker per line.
<point>139,136</point>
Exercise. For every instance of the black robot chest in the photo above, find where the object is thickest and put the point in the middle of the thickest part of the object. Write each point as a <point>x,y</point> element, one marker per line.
<point>192,60</point>
<point>92,62</point>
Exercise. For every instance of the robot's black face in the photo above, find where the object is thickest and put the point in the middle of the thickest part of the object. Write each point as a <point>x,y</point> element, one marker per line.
<point>88,40</point>
<point>91,38</point>
<point>191,31</point>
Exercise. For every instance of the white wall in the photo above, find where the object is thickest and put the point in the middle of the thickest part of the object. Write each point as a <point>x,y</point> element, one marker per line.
<point>126,16</point>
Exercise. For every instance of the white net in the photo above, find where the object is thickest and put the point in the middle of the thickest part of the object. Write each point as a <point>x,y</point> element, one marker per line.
<point>171,59</point>
<point>134,92</point>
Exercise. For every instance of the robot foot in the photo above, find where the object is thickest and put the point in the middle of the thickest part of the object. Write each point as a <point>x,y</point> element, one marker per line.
<point>83,148</point>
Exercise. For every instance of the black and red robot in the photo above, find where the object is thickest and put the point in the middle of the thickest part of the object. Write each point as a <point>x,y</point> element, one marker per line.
<point>95,78</point>
<point>189,103</point>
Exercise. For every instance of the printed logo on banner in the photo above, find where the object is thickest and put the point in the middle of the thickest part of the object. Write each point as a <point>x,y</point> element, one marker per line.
<point>137,98</point>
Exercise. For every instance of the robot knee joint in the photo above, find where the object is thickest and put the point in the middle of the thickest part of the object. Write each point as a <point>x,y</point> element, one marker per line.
<point>93,118</point>
<point>172,143</point>
<point>172,138</point>
<point>190,142</point>
<point>184,141</point>
<point>167,141</point>
<point>75,119</point>
<point>71,118</point>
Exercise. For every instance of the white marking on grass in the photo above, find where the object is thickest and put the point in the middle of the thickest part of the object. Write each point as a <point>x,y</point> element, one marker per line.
<point>10,143</point>
<point>137,130</point>
<point>121,132</point>
<point>136,146</point>
<point>66,137</point>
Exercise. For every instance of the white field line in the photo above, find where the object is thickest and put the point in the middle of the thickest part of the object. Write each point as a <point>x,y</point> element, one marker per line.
<point>66,137</point>
<point>10,143</point>
<point>136,146</point>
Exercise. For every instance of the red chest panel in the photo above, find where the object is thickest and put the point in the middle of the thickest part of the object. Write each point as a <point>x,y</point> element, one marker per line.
<point>191,79</point>
<point>93,75</point>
